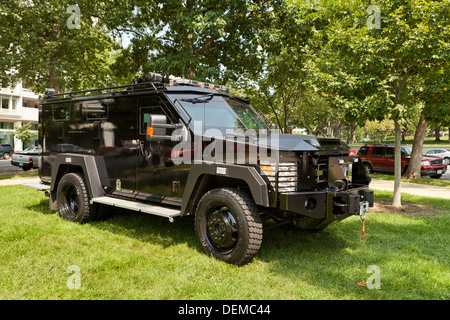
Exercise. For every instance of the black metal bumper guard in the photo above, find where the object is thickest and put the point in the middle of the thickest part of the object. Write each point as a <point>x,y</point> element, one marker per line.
<point>320,204</point>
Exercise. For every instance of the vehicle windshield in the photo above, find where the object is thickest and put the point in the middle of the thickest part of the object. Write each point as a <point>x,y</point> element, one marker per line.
<point>216,111</point>
<point>406,151</point>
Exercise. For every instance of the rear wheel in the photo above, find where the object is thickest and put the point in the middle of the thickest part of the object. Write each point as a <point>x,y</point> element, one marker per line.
<point>73,199</point>
<point>228,225</point>
<point>6,156</point>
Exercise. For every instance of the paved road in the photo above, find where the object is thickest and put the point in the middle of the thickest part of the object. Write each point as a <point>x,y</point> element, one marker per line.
<point>6,166</point>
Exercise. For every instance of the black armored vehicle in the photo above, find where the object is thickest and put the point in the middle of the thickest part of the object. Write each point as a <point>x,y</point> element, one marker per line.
<point>177,147</point>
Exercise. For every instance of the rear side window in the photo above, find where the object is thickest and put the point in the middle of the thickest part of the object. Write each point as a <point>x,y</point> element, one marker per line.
<point>389,152</point>
<point>363,151</point>
<point>61,112</point>
<point>377,152</point>
<point>96,110</point>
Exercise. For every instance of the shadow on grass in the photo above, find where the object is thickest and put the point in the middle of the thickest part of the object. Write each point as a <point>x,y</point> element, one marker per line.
<point>406,249</point>
<point>41,207</point>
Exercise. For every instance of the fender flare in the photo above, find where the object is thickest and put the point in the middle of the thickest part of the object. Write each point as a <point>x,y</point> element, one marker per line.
<point>258,186</point>
<point>93,168</point>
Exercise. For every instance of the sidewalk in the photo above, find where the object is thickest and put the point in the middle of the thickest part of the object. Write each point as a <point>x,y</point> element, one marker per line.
<point>17,181</point>
<point>412,188</point>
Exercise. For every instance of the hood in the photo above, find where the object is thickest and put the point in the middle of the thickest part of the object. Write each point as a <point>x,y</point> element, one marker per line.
<point>288,142</point>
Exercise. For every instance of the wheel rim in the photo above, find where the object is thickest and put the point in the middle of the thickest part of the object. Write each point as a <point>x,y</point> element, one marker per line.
<point>222,229</point>
<point>71,203</point>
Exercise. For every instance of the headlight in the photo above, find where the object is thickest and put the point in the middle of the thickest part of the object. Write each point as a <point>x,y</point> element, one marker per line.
<point>425,163</point>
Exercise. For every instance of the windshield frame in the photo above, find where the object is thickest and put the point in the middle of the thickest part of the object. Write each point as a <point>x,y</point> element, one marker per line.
<point>176,98</point>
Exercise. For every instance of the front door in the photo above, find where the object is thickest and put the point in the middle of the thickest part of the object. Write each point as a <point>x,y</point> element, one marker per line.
<point>157,177</point>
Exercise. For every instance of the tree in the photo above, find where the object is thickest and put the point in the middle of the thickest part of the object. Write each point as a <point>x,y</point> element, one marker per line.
<point>53,43</point>
<point>278,81</point>
<point>24,133</point>
<point>377,66</point>
<point>195,39</point>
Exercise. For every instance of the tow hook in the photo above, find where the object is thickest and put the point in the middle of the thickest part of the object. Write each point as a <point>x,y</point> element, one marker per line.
<point>363,209</point>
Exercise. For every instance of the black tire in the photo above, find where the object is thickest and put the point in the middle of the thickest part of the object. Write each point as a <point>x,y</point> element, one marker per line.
<point>73,199</point>
<point>436,176</point>
<point>447,160</point>
<point>6,156</point>
<point>228,225</point>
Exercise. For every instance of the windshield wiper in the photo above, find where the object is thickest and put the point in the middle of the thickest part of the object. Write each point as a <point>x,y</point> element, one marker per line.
<point>203,98</point>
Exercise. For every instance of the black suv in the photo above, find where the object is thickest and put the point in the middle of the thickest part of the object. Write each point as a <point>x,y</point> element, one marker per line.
<point>177,147</point>
<point>6,150</point>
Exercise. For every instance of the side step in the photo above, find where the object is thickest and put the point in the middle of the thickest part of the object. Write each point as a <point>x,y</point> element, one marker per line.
<point>140,207</point>
<point>39,186</point>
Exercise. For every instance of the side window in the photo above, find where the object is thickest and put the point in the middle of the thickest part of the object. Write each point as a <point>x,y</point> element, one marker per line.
<point>95,109</point>
<point>363,151</point>
<point>143,115</point>
<point>61,112</point>
<point>389,152</point>
<point>377,152</point>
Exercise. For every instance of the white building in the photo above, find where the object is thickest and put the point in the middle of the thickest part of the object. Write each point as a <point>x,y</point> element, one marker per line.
<point>17,106</point>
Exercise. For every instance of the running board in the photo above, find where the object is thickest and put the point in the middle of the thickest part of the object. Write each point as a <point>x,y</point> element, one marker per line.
<point>39,186</point>
<point>140,207</point>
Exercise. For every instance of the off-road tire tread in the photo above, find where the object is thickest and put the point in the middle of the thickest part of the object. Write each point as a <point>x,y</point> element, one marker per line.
<point>252,216</point>
<point>88,213</point>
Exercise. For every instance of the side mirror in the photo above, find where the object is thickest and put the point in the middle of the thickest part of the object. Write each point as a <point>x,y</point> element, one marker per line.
<point>157,129</point>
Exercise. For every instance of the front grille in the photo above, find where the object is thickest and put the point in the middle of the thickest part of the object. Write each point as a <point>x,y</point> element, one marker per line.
<point>436,162</point>
<point>287,175</point>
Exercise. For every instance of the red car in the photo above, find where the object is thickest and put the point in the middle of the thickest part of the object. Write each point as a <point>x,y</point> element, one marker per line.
<point>381,158</point>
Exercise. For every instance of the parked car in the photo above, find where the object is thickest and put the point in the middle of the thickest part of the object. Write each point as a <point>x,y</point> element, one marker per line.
<point>381,158</point>
<point>443,153</point>
<point>6,150</point>
<point>27,159</point>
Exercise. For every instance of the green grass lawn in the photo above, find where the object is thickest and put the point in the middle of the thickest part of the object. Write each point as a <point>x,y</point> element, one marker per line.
<point>137,256</point>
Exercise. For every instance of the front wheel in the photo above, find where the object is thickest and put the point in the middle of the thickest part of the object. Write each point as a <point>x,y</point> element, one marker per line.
<point>228,225</point>
<point>73,199</point>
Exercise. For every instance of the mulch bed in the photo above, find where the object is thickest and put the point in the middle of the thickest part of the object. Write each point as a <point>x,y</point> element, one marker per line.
<point>408,208</point>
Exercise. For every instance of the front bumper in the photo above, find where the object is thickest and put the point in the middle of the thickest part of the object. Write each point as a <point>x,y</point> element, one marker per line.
<point>433,170</point>
<point>326,204</point>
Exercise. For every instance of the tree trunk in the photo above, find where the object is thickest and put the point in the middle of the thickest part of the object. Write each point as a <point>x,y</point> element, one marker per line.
<point>413,171</point>
<point>397,201</point>
<point>190,73</point>
<point>437,133</point>
<point>352,133</point>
